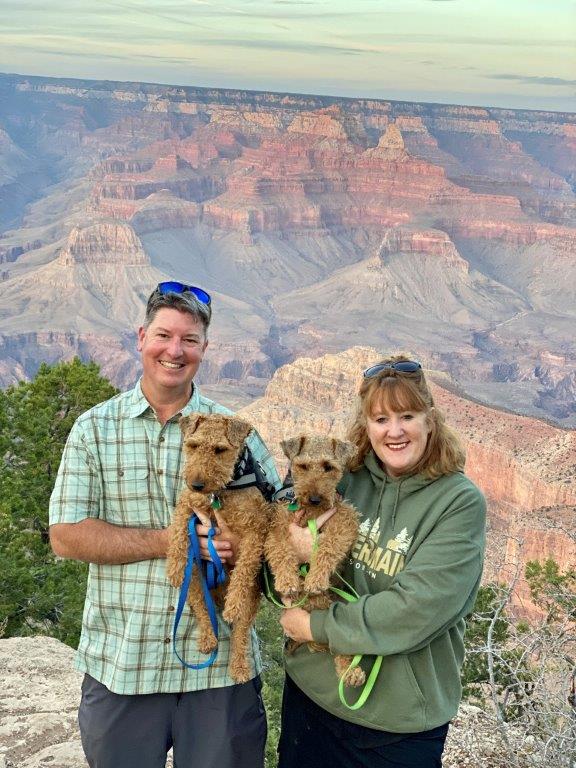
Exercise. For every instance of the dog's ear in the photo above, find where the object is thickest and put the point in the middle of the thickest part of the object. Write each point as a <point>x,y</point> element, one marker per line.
<point>293,446</point>
<point>344,451</point>
<point>190,423</point>
<point>237,431</point>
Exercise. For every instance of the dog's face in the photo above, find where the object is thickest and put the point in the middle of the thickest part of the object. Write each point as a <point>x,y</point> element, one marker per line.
<point>317,464</point>
<point>212,444</point>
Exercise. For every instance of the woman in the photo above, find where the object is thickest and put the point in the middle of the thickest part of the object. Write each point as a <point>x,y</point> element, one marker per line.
<point>416,566</point>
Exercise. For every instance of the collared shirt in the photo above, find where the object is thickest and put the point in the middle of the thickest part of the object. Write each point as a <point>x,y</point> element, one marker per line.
<point>122,466</point>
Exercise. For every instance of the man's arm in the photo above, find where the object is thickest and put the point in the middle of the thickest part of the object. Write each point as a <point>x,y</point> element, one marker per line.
<point>76,530</point>
<point>96,541</point>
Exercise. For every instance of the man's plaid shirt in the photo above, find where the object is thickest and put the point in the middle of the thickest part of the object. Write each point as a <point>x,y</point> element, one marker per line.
<point>122,466</point>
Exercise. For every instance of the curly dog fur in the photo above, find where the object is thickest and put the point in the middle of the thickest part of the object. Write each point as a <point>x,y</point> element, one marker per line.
<point>317,464</point>
<point>212,444</point>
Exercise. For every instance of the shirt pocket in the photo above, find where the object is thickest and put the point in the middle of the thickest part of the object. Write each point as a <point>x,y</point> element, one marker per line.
<point>126,495</point>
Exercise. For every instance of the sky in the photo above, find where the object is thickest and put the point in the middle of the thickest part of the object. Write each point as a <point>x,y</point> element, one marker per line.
<point>503,53</point>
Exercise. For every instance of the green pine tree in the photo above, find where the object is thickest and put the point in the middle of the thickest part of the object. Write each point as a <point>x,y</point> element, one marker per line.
<point>39,593</point>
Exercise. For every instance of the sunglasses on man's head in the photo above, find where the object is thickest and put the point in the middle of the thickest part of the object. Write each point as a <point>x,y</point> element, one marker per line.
<point>173,286</point>
<point>402,366</point>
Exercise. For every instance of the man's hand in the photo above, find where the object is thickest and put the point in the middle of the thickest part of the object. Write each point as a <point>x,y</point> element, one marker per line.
<point>302,537</point>
<point>225,541</point>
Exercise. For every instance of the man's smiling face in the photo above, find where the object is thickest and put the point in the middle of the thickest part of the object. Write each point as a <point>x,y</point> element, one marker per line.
<point>172,348</point>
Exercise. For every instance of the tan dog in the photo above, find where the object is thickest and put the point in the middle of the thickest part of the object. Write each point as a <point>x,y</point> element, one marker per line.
<point>212,446</point>
<point>316,465</point>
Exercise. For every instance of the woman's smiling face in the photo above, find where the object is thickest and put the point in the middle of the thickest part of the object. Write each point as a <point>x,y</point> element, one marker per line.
<point>399,439</point>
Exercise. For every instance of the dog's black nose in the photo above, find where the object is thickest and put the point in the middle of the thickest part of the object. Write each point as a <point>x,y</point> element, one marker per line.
<point>198,486</point>
<point>315,500</point>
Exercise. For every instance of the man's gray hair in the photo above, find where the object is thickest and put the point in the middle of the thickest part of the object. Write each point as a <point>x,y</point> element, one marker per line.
<point>183,302</point>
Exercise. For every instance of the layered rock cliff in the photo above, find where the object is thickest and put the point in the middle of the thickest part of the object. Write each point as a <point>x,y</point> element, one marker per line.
<point>104,243</point>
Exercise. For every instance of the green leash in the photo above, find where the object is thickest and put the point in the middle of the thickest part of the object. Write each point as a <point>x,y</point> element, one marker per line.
<point>351,597</point>
<point>368,685</point>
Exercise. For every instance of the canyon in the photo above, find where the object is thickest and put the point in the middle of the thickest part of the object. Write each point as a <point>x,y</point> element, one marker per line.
<point>317,223</point>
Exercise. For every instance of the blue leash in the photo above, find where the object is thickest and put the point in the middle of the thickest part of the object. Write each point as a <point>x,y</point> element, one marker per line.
<point>214,575</point>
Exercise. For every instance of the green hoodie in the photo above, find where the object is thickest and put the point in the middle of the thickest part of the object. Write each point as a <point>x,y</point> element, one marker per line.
<point>416,566</point>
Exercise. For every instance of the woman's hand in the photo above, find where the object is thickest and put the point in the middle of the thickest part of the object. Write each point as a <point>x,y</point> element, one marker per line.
<point>296,625</point>
<point>302,541</point>
<point>225,542</point>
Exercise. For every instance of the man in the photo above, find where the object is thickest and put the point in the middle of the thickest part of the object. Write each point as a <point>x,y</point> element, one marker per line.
<point>117,485</point>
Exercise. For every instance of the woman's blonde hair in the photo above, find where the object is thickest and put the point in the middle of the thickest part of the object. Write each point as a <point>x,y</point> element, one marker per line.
<point>395,391</point>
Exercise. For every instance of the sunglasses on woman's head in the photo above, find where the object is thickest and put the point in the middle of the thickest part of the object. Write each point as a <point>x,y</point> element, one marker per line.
<point>402,366</point>
<point>173,286</point>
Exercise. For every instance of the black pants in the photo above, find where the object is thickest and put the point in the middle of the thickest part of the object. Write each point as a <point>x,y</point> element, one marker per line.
<point>216,728</point>
<point>313,738</point>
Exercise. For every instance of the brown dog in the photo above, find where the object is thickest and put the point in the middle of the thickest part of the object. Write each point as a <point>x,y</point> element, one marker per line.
<point>316,465</point>
<point>212,445</point>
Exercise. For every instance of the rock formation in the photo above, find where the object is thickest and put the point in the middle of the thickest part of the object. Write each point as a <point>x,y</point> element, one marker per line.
<point>39,704</point>
<point>39,701</point>
<point>107,242</point>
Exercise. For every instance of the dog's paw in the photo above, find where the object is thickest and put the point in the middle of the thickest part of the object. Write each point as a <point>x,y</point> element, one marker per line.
<point>287,587</point>
<point>354,677</point>
<point>207,642</point>
<point>316,586</point>
<point>240,673</point>
<point>231,613</point>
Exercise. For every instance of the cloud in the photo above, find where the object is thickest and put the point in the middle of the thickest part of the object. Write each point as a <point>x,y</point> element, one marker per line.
<point>534,79</point>
<point>454,38</point>
<point>148,11</point>
<point>281,45</point>
<point>76,54</point>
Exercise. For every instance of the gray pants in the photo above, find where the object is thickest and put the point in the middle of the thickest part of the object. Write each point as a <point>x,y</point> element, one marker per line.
<point>215,728</point>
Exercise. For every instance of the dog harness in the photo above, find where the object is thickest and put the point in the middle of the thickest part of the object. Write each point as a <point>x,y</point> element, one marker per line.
<point>249,473</point>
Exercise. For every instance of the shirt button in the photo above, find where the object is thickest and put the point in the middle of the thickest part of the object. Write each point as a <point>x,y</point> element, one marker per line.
<point>162,439</point>
<point>167,640</point>
<point>160,471</point>
<point>120,472</point>
<point>170,608</point>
